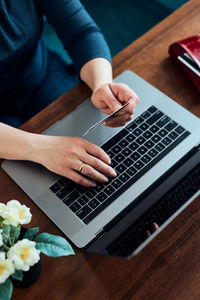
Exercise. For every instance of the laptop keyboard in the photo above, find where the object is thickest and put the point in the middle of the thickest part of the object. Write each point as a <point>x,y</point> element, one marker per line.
<point>133,151</point>
<point>159,213</point>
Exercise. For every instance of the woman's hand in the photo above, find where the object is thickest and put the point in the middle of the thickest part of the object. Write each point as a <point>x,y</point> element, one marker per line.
<point>65,156</point>
<point>110,97</point>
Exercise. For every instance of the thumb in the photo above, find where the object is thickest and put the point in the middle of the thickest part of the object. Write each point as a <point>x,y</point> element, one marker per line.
<point>110,100</point>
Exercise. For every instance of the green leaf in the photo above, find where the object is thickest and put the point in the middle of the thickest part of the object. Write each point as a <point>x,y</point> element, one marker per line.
<point>30,233</point>
<point>18,275</point>
<point>12,231</point>
<point>53,245</point>
<point>5,233</point>
<point>6,290</point>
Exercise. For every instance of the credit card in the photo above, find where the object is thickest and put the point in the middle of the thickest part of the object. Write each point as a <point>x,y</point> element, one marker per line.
<point>105,119</point>
<point>190,63</point>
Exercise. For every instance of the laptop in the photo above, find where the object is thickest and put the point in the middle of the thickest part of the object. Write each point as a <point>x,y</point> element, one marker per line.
<point>157,158</point>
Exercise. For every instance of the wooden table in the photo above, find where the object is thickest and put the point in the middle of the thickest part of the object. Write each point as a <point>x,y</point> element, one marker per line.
<point>168,268</point>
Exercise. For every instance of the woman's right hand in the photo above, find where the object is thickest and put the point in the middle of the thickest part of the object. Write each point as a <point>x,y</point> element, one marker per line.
<point>65,155</point>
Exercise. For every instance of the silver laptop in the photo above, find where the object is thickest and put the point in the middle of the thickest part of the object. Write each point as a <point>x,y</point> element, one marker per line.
<point>156,156</point>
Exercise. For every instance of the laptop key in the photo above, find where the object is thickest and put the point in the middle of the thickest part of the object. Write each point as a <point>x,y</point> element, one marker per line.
<point>123,143</point>
<point>71,198</point>
<point>166,141</point>
<point>152,109</point>
<point>147,134</point>
<point>101,197</point>
<point>75,207</point>
<point>142,150</point>
<point>163,132</point>
<point>140,140</point>
<point>145,114</point>
<point>163,121</point>
<point>111,154</point>
<point>153,152</point>
<point>135,156</point>
<point>116,183</point>
<point>179,129</point>
<point>109,190</point>
<point>131,126</point>
<point>55,187</point>
<point>171,125</point>
<point>128,162</point>
<point>144,126</point>
<point>154,129</point>
<point>114,163</point>
<point>130,137</point>
<point>62,194</point>
<point>115,139</point>
<point>83,212</point>
<point>94,203</point>
<point>149,144</point>
<point>91,193</point>
<point>133,146</point>
<point>139,165</point>
<point>131,171</point>
<point>126,152</point>
<point>83,200</point>
<point>146,159</point>
<point>124,177</point>
<point>63,181</point>
<point>137,132</point>
<point>119,158</point>
<point>139,120</point>
<point>116,149</point>
<point>173,135</point>
<point>156,138</point>
<point>160,147</point>
<point>120,168</point>
<point>156,116</point>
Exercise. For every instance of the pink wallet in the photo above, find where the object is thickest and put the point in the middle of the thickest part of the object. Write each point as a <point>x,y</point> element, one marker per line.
<point>187,54</point>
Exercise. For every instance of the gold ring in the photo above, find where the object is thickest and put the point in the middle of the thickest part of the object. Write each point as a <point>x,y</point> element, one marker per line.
<point>81,167</point>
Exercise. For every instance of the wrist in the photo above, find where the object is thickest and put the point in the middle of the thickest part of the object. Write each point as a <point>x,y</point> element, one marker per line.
<point>36,144</point>
<point>96,73</point>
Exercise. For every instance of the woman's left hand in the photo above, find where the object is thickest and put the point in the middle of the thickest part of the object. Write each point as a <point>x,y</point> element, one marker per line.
<point>110,97</point>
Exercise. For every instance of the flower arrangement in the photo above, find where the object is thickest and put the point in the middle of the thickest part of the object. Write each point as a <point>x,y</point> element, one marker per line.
<point>18,255</point>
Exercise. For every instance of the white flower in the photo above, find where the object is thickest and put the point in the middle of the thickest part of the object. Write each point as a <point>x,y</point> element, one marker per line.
<point>6,269</point>
<point>1,237</point>
<point>24,254</point>
<point>3,208</point>
<point>16,213</point>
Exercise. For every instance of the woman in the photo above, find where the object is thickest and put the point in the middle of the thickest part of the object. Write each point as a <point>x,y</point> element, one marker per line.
<point>31,77</point>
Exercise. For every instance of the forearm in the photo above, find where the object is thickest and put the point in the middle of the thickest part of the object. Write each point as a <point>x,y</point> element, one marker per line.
<point>17,144</point>
<point>96,73</point>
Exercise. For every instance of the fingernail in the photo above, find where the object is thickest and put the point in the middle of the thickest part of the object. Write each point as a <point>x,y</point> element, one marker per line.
<point>104,123</point>
<point>113,173</point>
<point>93,184</point>
<point>109,160</point>
<point>105,179</point>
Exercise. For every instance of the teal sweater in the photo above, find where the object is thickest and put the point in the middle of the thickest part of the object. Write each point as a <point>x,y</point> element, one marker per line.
<point>23,55</point>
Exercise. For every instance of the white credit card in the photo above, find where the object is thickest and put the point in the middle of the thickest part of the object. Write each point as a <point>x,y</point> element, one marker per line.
<point>105,119</point>
<point>187,60</point>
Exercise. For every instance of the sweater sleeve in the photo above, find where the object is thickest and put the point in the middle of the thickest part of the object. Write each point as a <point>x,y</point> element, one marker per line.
<point>78,32</point>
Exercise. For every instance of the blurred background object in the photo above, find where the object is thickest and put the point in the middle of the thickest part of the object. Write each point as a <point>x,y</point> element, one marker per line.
<point>121,22</point>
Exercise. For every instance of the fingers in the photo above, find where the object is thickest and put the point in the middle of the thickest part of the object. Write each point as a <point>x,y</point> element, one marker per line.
<point>123,92</point>
<point>78,178</point>
<point>110,99</point>
<point>118,120</point>
<point>95,165</point>
<point>97,152</point>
